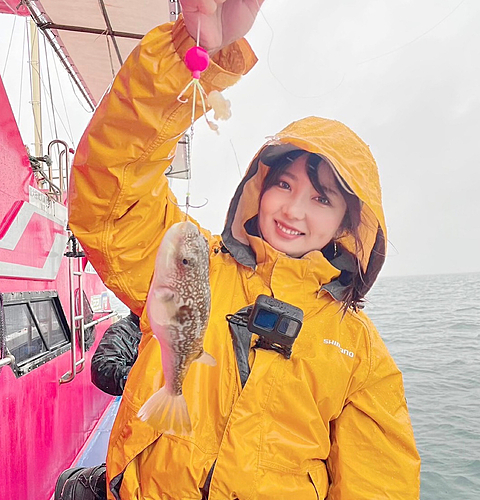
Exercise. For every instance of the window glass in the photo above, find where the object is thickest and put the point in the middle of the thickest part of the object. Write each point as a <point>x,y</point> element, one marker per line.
<point>47,318</point>
<point>22,339</point>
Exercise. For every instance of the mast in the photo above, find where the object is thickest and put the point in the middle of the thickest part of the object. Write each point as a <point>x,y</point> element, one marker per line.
<point>36,93</point>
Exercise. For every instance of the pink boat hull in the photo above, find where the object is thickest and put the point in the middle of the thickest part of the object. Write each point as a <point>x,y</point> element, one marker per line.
<point>44,424</point>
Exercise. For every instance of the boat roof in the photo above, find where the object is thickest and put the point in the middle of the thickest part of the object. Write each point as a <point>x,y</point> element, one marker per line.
<point>13,7</point>
<point>94,37</point>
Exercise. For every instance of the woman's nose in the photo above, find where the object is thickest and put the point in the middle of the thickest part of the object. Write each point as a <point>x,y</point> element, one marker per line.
<point>294,208</point>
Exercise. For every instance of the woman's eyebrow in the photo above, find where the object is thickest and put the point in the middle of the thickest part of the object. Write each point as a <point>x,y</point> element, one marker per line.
<point>329,190</point>
<point>289,174</point>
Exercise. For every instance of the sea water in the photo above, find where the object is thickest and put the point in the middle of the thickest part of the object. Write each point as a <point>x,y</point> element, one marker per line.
<point>431,325</point>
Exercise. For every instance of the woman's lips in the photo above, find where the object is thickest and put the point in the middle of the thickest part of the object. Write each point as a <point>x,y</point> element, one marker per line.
<point>286,231</point>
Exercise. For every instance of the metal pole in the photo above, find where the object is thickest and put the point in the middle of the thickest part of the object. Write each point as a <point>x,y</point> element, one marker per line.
<point>81,318</point>
<point>99,320</point>
<point>36,93</point>
<point>70,375</point>
<point>9,359</point>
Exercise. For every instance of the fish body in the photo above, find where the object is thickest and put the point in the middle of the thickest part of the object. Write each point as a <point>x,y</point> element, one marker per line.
<point>178,308</point>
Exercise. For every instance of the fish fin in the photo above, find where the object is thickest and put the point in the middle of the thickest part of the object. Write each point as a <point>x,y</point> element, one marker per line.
<point>161,305</point>
<point>206,359</point>
<point>163,293</point>
<point>167,413</point>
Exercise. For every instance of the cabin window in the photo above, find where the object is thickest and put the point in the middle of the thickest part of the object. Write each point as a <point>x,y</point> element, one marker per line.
<point>90,332</point>
<point>23,339</point>
<point>47,319</point>
<point>35,328</point>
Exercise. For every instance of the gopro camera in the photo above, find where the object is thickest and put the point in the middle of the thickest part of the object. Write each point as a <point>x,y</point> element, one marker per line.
<point>277,324</point>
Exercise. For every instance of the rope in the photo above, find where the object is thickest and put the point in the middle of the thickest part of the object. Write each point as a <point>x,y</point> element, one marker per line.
<point>60,86</point>
<point>58,114</point>
<point>47,109</point>
<point>50,89</point>
<point>30,74</point>
<point>9,46</point>
<point>21,77</point>
<point>110,55</point>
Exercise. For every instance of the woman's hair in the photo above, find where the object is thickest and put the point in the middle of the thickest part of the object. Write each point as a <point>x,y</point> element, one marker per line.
<point>350,224</point>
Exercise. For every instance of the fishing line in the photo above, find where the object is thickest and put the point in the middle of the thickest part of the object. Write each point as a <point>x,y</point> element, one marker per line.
<point>190,142</point>
<point>278,80</point>
<point>197,61</point>
<point>236,158</point>
<point>357,64</point>
<point>411,41</point>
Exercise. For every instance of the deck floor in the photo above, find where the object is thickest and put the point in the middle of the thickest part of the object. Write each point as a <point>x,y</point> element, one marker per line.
<point>95,452</point>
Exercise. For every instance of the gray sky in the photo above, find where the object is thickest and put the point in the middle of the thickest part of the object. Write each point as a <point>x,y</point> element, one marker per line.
<point>405,76</point>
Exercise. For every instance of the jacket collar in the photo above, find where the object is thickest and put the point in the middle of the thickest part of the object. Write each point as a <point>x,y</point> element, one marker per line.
<point>284,274</point>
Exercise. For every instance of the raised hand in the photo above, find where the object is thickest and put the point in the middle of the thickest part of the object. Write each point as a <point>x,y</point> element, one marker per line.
<point>221,21</point>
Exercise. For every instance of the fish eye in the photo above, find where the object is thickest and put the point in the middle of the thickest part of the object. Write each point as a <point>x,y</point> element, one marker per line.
<point>185,261</point>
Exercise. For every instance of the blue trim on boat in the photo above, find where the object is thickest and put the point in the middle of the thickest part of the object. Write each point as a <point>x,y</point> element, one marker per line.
<point>96,451</point>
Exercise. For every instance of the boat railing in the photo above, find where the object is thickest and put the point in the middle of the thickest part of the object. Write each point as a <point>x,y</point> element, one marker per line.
<point>9,359</point>
<point>77,365</point>
<point>77,314</point>
<point>61,173</point>
<point>56,174</point>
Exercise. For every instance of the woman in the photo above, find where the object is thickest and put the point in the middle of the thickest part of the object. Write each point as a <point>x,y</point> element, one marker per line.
<point>305,226</point>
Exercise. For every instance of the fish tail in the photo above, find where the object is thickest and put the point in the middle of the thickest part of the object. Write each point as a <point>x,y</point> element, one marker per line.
<point>167,412</point>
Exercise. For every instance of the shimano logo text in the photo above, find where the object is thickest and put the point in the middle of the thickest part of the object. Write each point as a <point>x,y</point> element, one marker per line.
<point>335,343</point>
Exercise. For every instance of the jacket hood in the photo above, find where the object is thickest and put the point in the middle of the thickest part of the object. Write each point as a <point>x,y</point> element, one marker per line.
<point>355,168</point>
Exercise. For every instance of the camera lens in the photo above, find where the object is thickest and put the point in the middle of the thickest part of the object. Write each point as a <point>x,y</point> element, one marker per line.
<point>265,319</point>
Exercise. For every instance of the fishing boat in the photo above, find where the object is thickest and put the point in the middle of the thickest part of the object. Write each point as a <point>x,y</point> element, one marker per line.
<point>53,306</point>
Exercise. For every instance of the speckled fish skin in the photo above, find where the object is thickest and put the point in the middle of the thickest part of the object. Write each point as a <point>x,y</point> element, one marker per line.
<point>178,307</point>
<point>191,286</point>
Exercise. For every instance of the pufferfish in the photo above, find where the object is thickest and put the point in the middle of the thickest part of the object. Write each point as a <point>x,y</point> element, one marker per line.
<point>178,308</point>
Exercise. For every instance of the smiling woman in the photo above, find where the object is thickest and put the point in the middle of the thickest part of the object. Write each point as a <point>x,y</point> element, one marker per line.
<point>297,215</point>
<point>305,205</point>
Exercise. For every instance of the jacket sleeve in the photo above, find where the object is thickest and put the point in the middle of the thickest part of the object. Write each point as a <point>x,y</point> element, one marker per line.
<point>115,355</point>
<point>120,204</point>
<point>373,453</point>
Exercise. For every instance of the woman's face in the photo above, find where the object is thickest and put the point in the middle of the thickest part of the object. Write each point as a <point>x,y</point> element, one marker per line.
<point>294,218</point>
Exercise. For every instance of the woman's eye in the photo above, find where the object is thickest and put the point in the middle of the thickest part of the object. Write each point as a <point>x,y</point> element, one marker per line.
<point>283,185</point>
<point>323,200</point>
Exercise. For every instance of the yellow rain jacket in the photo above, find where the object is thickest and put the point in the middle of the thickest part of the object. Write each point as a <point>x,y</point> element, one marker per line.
<point>331,422</point>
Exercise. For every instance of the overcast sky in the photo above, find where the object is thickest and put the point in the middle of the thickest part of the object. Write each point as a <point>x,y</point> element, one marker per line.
<point>404,75</point>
